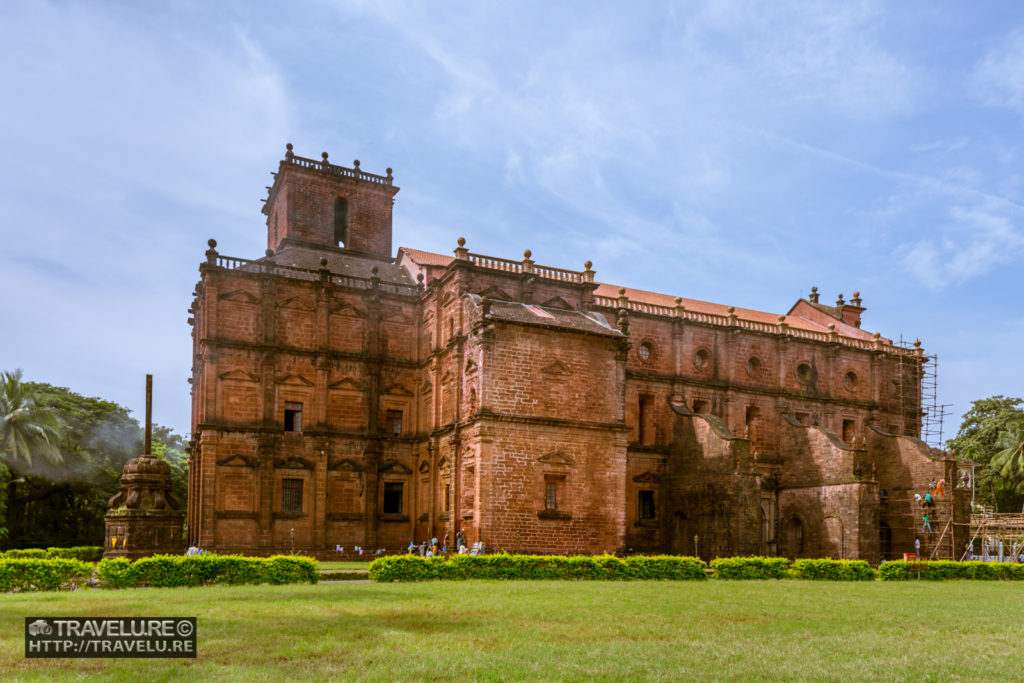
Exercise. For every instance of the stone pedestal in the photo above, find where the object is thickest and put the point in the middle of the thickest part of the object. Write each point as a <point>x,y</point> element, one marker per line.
<point>144,518</point>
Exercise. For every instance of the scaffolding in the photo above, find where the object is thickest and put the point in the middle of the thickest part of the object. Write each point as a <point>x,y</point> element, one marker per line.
<point>917,390</point>
<point>994,533</point>
<point>902,518</point>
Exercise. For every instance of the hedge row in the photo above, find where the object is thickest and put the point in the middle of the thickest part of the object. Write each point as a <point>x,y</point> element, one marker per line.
<point>833,570</point>
<point>85,553</point>
<point>750,567</point>
<point>938,570</point>
<point>598,567</point>
<point>32,574</point>
<point>203,570</point>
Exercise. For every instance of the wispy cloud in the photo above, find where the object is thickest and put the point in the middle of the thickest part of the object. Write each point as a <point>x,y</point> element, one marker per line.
<point>999,75</point>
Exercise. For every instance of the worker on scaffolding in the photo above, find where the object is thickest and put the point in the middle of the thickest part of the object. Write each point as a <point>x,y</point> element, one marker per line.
<point>927,526</point>
<point>940,488</point>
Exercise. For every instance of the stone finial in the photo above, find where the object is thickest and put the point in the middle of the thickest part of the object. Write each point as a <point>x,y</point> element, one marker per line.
<point>461,252</point>
<point>587,265</point>
<point>324,155</point>
<point>876,336</point>
<point>622,291</point>
<point>211,253</point>
<point>856,299</point>
<point>374,271</point>
<point>831,328</point>
<point>389,176</point>
<point>527,254</point>
<point>814,295</point>
<point>840,301</point>
<point>323,261</point>
<point>419,281</point>
<point>288,151</point>
<point>269,253</point>
<point>325,274</point>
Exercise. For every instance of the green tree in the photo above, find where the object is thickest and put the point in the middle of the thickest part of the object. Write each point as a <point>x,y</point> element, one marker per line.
<point>986,437</point>
<point>1009,462</point>
<point>27,429</point>
<point>64,503</point>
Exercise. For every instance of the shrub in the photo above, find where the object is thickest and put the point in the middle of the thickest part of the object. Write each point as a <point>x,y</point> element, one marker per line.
<point>26,553</point>
<point>750,567</point>
<point>833,570</point>
<point>535,567</point>
<point>85,553</point>
<point>939,570</point>
<point>33,574</point>
<point>203,570</point>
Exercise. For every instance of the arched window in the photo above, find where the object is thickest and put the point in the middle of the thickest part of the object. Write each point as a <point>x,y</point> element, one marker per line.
<point>340,221</point>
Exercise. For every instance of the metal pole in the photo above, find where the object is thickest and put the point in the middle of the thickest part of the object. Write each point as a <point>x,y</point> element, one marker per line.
<point>149,414</point>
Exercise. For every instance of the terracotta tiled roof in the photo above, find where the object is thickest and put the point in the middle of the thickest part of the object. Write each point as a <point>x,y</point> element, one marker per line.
<point>426,258</point>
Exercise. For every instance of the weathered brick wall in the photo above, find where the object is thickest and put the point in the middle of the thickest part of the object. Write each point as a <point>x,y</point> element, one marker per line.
<point>302,206</point>
<point>838,521</point>
<point>709,491</point>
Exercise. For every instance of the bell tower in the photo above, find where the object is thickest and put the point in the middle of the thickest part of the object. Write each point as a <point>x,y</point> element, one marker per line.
<point>319,203</point>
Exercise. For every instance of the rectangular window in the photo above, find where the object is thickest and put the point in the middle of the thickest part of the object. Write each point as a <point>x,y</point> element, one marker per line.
<point>645,505</point>
<point>447,497</point>
<point>291,495</point>
<point>643,418</point>
<point>392,498</point>
<point>394,422</point>
<point>293,417</point>
<point>848,431</point>
<point>550,495</point>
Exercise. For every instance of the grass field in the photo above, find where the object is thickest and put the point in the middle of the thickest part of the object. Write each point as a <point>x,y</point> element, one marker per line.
<point>786,630</point>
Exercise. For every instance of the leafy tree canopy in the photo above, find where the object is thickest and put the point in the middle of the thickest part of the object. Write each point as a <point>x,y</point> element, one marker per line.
<point>62,503</point>
<point>991,434</point>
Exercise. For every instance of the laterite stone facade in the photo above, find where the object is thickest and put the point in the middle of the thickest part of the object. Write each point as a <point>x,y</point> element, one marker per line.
<point>347,396</point>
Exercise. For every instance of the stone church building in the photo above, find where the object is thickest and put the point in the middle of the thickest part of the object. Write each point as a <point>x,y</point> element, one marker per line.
<point>345,394</point>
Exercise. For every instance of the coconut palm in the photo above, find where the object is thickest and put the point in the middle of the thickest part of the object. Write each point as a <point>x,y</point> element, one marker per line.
<point>1009,461</point>
<point>27,429</point>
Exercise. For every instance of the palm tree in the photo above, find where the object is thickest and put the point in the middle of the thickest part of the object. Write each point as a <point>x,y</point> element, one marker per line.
<point>27,429</point>
<point>1009,461</point>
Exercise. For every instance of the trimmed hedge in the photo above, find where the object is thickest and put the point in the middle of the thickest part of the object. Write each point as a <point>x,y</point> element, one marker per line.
<point>34,574</point>
<point>534,567</point>
<point>750,567</point>
<point>85,553</point>
<point>203,570</point>
<point>940,570</point>
<point>833,570</point>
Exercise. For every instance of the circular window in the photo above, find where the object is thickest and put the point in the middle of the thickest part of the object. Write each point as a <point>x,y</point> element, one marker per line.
<point>805,373</point>
<point>645,352</point>
<point>753,365</point>
<point>702,358</point>
<point>850,380</point>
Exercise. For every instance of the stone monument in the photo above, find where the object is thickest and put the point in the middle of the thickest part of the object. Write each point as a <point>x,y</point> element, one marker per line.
<point>144,518</point>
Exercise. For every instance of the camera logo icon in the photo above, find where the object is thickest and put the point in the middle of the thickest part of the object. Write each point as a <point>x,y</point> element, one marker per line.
<point>40,627</point>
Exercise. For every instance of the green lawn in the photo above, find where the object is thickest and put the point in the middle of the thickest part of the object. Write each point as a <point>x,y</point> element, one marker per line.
<point>672,631</point>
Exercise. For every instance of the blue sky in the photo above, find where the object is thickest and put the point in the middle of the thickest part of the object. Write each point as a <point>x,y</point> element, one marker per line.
<point>737,152</point>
